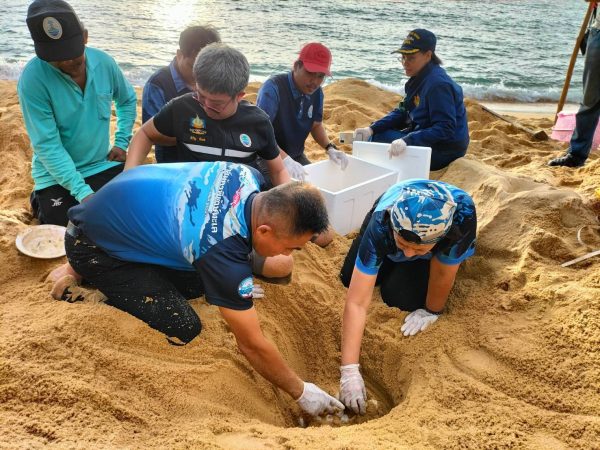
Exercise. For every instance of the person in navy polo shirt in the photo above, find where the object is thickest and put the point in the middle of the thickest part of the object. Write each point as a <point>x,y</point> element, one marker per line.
<point>161,234</point>
<point>411,243</point>
<point>432,113</point>
<point>294,103</point>
<point>213,123</point>
<point>175,79</point>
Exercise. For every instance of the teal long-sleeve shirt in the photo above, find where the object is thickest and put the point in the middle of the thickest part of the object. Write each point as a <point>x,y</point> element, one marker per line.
<point>69,129</point>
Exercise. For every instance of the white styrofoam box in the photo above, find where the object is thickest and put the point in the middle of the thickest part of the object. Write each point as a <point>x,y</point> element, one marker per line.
<point>350,193</point>
<point>412,163</point>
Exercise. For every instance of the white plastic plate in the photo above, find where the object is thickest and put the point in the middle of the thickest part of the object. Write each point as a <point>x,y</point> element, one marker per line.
<point>42,241</point>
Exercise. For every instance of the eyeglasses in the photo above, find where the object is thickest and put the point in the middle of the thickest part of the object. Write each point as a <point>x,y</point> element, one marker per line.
<point>217,106</point>
<point>407,58</point>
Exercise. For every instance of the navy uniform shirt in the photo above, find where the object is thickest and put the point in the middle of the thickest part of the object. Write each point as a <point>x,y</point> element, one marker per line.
<point>432,112</point>
<point>164,85</point>
<point>239,138</point>
<point>291,112</point>
<point>182,216</point>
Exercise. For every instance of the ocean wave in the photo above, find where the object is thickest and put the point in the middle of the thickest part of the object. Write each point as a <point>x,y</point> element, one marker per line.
<point>10,70</point>
<point>498,92</point>
<point>475,90</point>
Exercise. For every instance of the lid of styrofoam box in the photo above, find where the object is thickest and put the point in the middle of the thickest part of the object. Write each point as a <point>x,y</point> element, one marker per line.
<point>330,177</point>
<point>412,163</point>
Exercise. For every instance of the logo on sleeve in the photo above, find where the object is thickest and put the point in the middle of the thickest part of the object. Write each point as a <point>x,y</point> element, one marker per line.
<point>245,140</point>
<point>417,100</point>
<point>245,288</point>
<point>52,28</point>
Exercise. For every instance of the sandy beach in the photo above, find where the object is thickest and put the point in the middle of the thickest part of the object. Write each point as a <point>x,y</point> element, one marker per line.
<point>515,362</point>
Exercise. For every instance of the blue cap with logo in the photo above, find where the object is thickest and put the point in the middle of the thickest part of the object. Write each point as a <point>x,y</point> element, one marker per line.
<point>419,40</point>
<point>425,213</point>
<point>56,30</point>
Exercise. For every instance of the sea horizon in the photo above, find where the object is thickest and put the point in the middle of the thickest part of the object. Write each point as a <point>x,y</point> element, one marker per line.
<point>503,51</point>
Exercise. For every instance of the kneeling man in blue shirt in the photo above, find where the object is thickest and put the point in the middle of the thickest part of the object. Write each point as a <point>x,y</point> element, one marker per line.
<point>161,234</point>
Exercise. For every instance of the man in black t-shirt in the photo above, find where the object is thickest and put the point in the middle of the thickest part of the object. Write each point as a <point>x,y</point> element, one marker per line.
<point>176,79</point>
<point>213,123</point>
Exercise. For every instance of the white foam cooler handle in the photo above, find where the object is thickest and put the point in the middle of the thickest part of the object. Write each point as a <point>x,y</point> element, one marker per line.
<point>414,162</point>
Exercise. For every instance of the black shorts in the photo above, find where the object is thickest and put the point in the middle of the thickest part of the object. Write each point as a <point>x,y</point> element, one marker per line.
<point>154,294</point>
<point>50,205</point>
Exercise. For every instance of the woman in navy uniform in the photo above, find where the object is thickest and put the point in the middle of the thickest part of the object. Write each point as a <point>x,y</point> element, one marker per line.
<point>432,114</point>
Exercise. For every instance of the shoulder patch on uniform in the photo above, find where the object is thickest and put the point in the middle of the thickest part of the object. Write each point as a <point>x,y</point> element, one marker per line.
<point>245,287</point>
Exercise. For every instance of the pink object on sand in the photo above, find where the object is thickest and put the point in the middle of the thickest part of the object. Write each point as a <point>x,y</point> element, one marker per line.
<point>564,127</point>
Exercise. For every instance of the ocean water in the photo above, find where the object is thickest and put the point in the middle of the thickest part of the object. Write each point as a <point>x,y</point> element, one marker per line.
<point>496,50</point>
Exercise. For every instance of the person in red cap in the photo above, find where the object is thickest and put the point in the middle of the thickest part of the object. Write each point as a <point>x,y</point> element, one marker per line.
<point>294,103</point>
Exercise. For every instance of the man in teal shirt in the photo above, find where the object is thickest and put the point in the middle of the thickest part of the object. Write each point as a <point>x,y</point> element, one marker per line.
<point>66,93</point>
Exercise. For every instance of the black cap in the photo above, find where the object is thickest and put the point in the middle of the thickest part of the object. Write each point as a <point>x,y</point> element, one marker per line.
<point>56,30</point>
<point>419,40</point>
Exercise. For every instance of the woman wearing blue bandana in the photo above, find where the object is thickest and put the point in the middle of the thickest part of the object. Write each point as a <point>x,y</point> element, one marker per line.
<point>411,244</point>
<point>432,113</point>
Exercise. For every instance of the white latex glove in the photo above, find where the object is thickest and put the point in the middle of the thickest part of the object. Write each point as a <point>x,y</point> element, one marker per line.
<point>338,157</point>
<point>257,291</point>
<point>417,321</point>
<point>397,147</point>
<point>362,134</point>
<point>316,401</point>
<point>352,388</point>
<point>295,169</point>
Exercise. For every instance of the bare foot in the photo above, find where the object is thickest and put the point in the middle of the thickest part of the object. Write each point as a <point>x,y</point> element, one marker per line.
<point>61,271</point>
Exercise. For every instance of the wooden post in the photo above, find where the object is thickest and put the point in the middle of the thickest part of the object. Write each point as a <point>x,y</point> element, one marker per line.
<point>563,95</point>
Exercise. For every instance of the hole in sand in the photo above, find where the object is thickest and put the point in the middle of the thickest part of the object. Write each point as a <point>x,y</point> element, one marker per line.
<point>379,403</point>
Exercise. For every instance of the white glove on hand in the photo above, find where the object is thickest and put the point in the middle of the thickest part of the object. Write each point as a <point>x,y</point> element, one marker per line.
<point>362,134</point>
<point>397,147</point>
<point>257,291</point>
<point>295,169</point>
<point>417,321</point>
<point>316,401</point>
<point>352,388</point>
<point>337,156</point>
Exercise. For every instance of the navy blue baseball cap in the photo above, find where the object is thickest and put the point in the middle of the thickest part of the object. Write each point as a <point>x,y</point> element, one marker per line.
<point>57,33</point>
<point>419,40</point>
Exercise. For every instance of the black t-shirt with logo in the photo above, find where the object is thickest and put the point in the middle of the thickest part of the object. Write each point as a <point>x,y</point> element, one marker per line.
<point>239,138</point>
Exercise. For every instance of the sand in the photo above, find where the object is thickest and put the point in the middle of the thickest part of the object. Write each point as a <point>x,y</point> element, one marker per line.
<point>514,363</point>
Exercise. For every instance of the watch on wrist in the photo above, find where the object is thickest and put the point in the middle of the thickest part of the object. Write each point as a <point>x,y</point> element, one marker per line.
<point>331,145</point>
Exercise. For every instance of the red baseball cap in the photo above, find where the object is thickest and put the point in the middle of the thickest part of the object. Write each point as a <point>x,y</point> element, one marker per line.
<point>316,58</point>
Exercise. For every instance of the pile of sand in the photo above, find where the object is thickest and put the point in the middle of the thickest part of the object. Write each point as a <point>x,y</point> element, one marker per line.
<point>514,363</point>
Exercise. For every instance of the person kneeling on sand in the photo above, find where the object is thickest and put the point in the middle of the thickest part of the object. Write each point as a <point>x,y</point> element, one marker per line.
<point>432,113</point>
<point>294,103</point>
<point>179,231</point>
<point>176,79</point>
<point>213,123</point>
<point>66,93</point>
<point>411,243</point>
